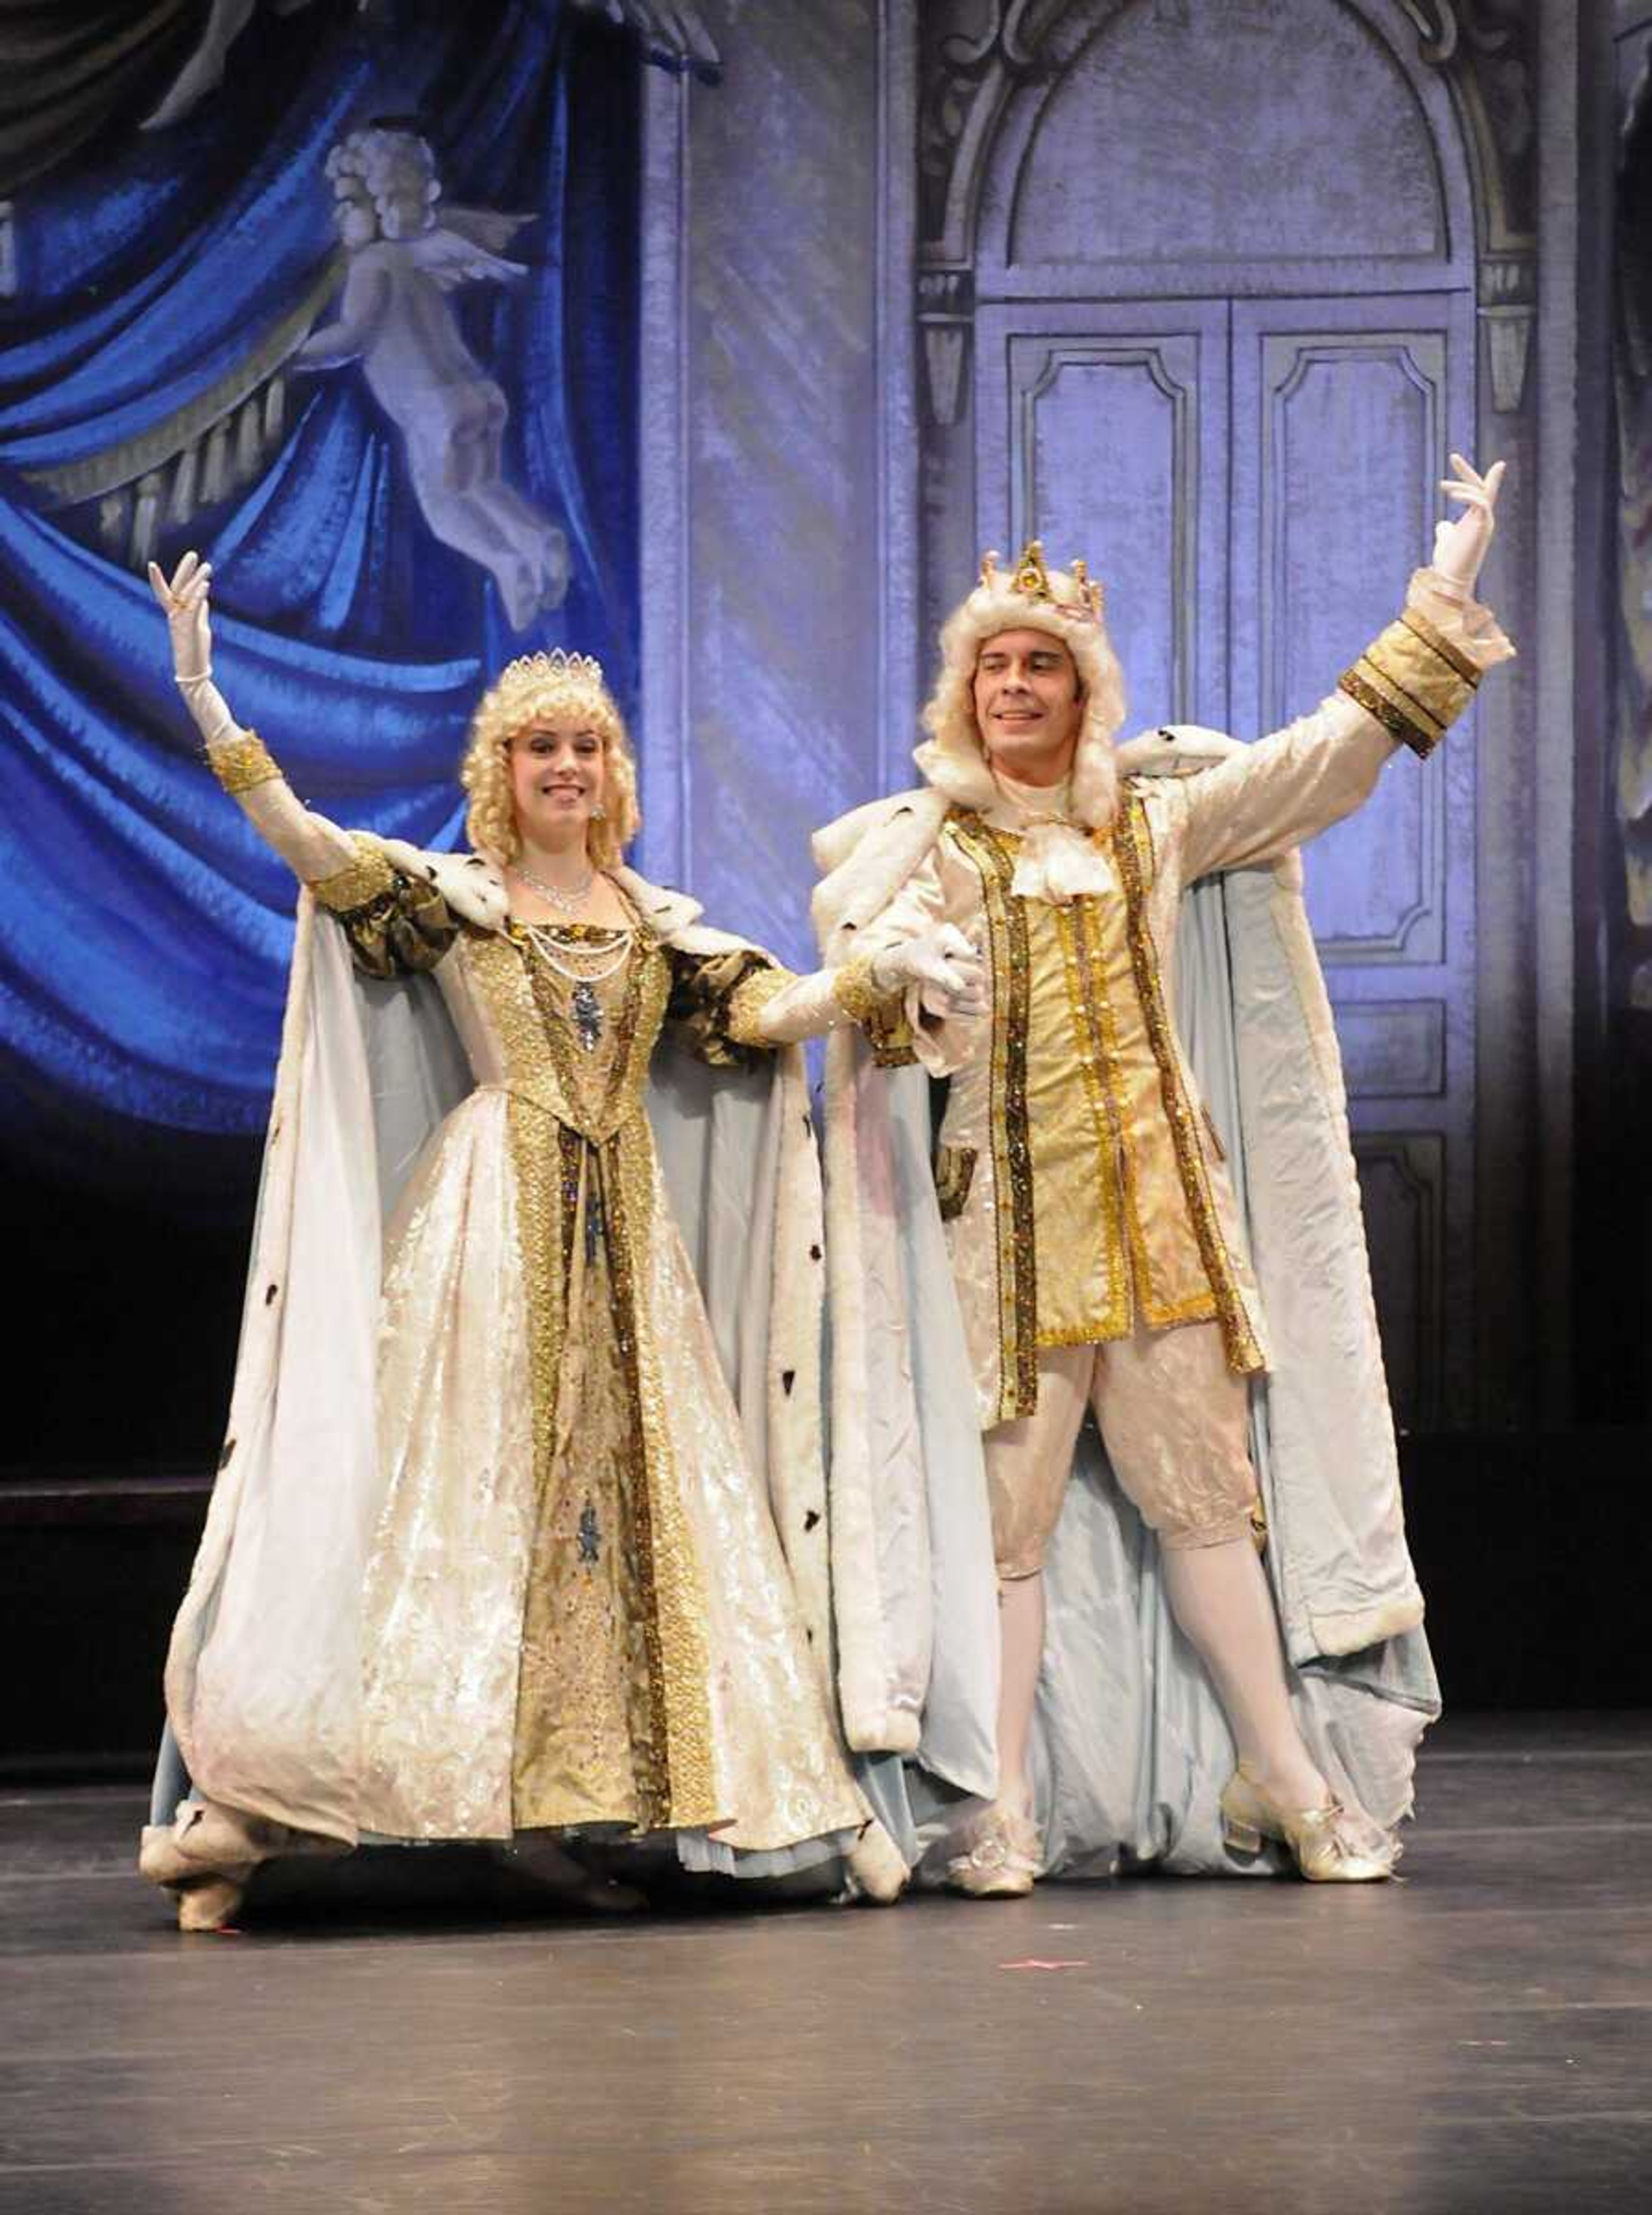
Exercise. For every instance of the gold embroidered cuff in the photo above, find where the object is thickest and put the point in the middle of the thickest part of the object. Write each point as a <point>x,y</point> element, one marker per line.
<point>357,882</point>
<point>1414,681</point>
<point>240,764</point>
<point>1432,635</point>
<point>880,1015</point>
<point>743,1009</point>
<point>855,992</point>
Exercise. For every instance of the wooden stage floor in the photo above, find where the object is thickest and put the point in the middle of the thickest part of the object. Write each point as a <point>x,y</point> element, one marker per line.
<point>1477,2041</point>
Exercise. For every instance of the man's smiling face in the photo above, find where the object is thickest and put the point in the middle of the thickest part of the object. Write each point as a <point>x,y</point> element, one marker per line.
<point>1028,704</point>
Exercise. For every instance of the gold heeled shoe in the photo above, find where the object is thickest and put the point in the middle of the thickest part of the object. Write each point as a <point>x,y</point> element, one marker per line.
<point>1003,1858</point>
<point>1330,1845</point>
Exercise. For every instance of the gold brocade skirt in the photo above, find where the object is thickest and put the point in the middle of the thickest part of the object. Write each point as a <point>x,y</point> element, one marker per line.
<point>578,1610</point>
<point>611,1724</point>
<point>589,1743</point>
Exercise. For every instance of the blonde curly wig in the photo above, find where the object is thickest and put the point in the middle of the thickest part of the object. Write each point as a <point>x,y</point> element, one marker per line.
<point>1030,597</point>
<point>536,691</point>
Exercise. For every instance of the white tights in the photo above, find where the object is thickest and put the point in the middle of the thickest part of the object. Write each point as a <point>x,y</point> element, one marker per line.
<point>1221,1599</point>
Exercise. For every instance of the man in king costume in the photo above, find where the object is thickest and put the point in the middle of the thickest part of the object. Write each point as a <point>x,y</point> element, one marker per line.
<point>1131,1194</point>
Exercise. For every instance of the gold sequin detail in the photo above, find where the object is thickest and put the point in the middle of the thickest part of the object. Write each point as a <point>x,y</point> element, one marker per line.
<point>1159,1314</point>
<point>853,989</point>
<point>240,764</point>
<point>591,1093</point>
<point>1133,846</point>
<point>1092,1030</point>
<point>1012,1164</point>
<point>743,1015</point>
<point>542,1230</point>
<point>584,1736</point>
<point>358,882</point>
<point>882,1017</point>
<point>677,1646</point>
<point>600,1089</point>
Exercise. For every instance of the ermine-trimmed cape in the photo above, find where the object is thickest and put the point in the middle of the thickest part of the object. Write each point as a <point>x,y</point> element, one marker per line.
<point>1130,1748</point>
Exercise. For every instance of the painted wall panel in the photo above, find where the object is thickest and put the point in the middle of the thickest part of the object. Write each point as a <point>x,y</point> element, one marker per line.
<point>1104,431</point>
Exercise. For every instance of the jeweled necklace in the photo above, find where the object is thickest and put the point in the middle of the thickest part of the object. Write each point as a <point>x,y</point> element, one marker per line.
<point>570,900</point>
<point>590,966</point>
<point>594,967</point>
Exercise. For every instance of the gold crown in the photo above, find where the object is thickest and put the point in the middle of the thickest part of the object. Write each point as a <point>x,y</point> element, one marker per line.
<point>1032,580</point>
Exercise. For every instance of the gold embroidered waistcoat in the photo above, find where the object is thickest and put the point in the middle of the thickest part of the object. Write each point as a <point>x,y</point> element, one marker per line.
<point>1104,1167</point>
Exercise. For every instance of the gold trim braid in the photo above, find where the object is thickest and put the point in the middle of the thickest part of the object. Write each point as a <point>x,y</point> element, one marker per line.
<point>1012,1157</point>
<point>853,989</point>
<point>1133,845</point>
<point>1091,1015</point>
<point>1432,635</point>
<point>882,1017</point>
<point>743,1014</point>
<point>1414,681</point>
<point>240,764</point>
<point>674,1624</point>
<point>1392,717</point>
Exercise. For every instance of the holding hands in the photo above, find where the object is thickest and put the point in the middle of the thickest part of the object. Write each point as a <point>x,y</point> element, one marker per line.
<point>943,965</point>
<point>1461,543</point>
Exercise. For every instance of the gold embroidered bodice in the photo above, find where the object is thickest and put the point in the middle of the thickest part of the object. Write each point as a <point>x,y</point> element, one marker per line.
<point>578,1009</point>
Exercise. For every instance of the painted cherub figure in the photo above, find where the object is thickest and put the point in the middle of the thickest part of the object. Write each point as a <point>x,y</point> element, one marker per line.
<point>396,319</point>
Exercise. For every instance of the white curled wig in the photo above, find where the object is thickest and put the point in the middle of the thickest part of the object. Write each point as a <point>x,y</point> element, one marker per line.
<point>1030,597</point>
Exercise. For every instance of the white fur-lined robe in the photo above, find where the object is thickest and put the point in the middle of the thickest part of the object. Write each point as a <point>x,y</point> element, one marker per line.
<point>265,1676</point>
<point>1130,1748</point>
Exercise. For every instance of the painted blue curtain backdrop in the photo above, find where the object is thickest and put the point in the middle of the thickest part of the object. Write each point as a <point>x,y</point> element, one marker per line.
<point>144,930</point>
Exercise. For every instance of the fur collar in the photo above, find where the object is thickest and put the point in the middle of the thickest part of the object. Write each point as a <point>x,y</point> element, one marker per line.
<point>867,856</point>
<point>474,888</point>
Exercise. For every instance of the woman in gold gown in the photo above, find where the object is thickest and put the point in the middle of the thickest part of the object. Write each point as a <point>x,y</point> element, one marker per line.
<point>493,1550</point>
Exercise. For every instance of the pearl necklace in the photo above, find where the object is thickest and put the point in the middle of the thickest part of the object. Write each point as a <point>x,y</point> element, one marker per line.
<point>570,901</point>
<point>595,966</point>
<point>592,968</point>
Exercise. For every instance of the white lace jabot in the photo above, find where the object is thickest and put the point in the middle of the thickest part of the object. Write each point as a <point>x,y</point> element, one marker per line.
<point>1057,861</point>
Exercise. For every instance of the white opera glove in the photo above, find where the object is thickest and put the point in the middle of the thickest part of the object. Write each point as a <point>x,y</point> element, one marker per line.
<point>1461,543</point>
<point>945,967</point>
<point>183,598</point>
<point>320,854</point>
